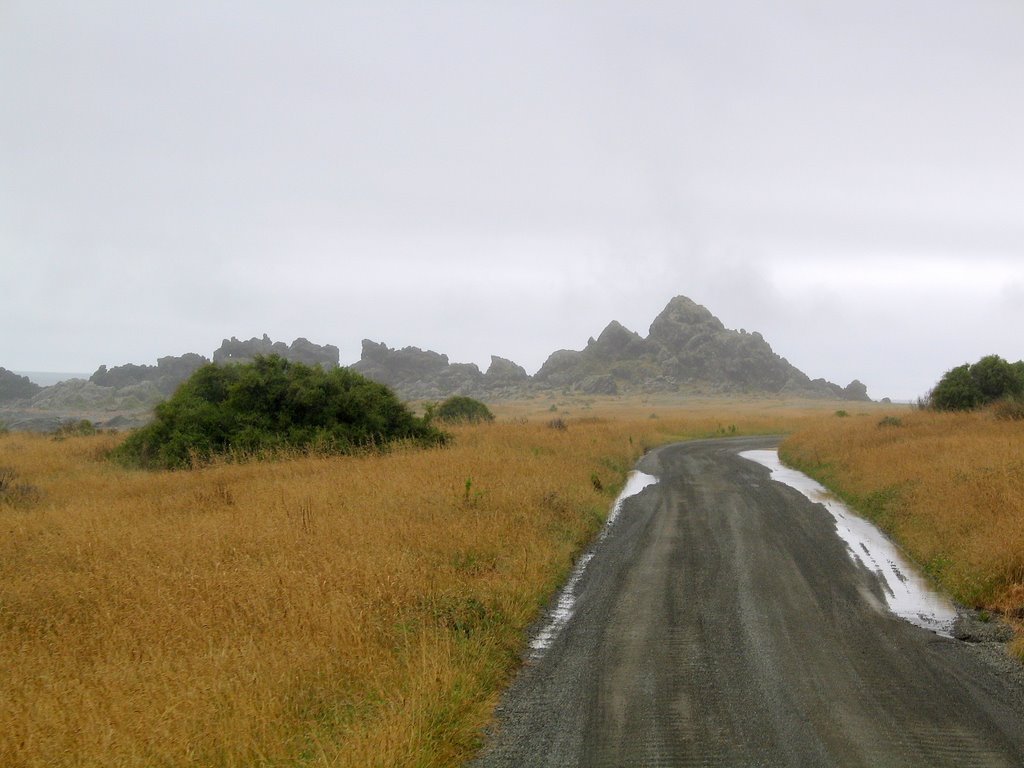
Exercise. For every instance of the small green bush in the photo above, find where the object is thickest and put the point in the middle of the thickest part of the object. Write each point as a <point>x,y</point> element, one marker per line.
<point>891,421</point>
<point>459,409</point>
<point>268,406</point>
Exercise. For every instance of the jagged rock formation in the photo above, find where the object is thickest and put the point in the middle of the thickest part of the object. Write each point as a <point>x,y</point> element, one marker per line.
<point>123,396</point>
<point>80,396</point>
<point>300,351</point>
<point>617,356</point>
<point>407,367</point>
<point>15,387</point>
<point>505,373</point>
<point>166,375</point>
<point>688,349</point>
<point>418,374</point>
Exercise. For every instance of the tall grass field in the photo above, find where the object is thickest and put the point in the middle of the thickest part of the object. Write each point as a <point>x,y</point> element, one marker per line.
<point>367,610</point>
<point>948,487</point>
<point>346,611</point>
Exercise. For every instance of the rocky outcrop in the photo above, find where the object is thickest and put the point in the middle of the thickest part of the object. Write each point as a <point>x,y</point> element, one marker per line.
<point>305,351</point>
<point>166,376</point>
<point>856,390</point>
<point>418,374</point>
<point>299,351</point>
<point>617,353</point>
<point>14,387</point>
<point>687,349</point>
<point>505,373</point>
<point>79,395</point>
<point>398,368</point>
<point>123,396</point>
<point>697,350</point>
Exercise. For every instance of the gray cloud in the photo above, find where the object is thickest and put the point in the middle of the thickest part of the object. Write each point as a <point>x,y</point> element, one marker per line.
<point>847,178</point>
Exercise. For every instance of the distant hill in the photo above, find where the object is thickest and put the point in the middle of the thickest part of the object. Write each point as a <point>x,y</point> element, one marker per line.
<point>123,396</point>
<point>687,351</point>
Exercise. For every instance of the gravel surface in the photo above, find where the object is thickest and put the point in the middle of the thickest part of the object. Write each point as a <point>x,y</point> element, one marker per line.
<point>721,622</point>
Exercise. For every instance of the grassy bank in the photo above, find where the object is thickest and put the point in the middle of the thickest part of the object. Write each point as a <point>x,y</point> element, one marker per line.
<point>361,610</point>
<point>949,487</point>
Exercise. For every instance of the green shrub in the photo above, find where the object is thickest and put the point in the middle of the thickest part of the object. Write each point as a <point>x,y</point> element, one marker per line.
<point>996,378</point>
<point>956,391</point>
<point>459,409</point>
<point>267,406</point>
<point>971,386</point>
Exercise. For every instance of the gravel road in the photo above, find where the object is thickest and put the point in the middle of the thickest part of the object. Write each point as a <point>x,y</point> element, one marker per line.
<point>721,623</point>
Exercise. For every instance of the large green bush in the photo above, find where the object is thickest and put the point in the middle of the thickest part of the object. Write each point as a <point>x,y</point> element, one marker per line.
<point>271,405</point>
<point>972,386</point>
<point>459,409</point>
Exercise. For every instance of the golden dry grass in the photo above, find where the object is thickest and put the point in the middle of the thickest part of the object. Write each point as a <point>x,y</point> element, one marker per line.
<point>313,611</point>
<point>949,487</point>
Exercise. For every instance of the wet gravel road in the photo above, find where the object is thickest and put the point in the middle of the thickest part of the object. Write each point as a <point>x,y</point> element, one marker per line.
<point>721,623</point>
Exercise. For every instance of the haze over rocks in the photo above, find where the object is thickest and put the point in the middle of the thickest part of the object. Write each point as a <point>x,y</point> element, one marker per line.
<point>687,351</point>
<point>123,396</point>
<point>165,376</point>
<point>420,374</point>
<point>299,351</point>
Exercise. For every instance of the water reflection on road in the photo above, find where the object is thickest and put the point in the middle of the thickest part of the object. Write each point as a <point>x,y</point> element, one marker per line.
<point>907,593</point>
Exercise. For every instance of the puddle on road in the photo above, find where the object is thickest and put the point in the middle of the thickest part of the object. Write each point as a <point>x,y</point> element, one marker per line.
<point>907,593</point>
<point>635,482</point>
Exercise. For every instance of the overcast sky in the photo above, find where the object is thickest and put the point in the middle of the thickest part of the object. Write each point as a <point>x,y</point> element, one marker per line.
<point>505,178</point>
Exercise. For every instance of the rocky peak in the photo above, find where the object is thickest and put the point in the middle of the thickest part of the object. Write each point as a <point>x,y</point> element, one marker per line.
<point>616,342</point>
<point>681,320</point>
<point>856,390</point>
<point>505,372</point>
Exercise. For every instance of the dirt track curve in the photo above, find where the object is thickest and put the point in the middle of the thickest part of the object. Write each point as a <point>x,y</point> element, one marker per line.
<point>721,623</point>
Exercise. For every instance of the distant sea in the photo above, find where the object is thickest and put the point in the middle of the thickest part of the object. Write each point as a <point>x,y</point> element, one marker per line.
<point>49,378</point>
